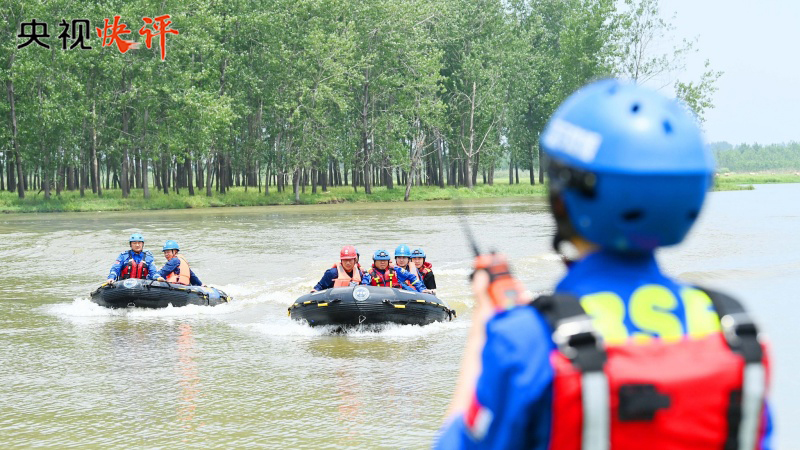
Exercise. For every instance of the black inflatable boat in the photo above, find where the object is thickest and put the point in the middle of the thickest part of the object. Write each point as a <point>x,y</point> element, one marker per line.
<point>369,305</point>
<point>155,294</point>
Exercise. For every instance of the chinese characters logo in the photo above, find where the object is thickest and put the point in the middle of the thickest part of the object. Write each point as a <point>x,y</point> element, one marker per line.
<point>76,33</point>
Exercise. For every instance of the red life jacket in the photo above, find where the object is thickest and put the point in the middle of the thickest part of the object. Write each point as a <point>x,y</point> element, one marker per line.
<point>343,279</point>
<point>134,270</point>
<point>386,279</point>
<point>424,270</point>
<point>705,393</point>
<point>184,275</point>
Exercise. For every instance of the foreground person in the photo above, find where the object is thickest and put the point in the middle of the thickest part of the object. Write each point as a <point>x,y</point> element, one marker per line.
<point>133,263</point>
<point>347,272</point>
<point>424,269</point>
<point>176,270</point>
<point>652,365</point>
<point>382,275</point>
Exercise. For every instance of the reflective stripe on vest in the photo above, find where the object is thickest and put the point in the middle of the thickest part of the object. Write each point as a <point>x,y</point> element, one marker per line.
<point>708,392</point>
<point>183,276</point>
<point>343,279</point>
<point>134,270</point>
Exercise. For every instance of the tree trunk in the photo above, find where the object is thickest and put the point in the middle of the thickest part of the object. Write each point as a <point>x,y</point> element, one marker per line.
<point>468,164</point>
<point>440,158</point>
<point>14,143</point>
<point>295,185</point>
<point>208,175</point>
<point>95,163</point>
<point>187,168</point>
<point>541,165</point>
<point>532,166</point>
<point>145,183</point>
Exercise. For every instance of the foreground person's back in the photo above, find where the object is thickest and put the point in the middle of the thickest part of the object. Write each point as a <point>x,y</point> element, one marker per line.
<point>621,356</point>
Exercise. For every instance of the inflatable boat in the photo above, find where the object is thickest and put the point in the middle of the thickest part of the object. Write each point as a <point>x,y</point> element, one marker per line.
<point>138,293</point>
<point>369,305</point>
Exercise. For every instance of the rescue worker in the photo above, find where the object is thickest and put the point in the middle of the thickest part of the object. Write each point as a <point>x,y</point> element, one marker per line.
<point>347,272</point>
<point>402,259</point>
<point>176,270</point>
<point>424,269</point>
<point>382,275</point>
<point>134,263</point>
<point>652,365</point>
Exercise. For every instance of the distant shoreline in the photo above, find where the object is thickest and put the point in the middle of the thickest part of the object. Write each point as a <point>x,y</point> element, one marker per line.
<point>70,201</point>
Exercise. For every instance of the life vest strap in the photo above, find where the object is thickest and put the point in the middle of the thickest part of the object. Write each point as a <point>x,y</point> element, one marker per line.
<point>578,340</point>
<point>741,334</point>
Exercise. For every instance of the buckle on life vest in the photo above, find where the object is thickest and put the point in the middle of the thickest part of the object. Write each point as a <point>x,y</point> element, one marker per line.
<point>639,402</point>
<point>577,338</point>
<point>741,333</point>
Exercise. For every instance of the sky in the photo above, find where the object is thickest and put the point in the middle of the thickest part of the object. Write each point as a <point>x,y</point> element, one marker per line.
<point>756,43</point>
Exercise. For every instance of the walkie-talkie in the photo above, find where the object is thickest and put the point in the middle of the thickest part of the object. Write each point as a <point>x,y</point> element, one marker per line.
<point>505,291</point>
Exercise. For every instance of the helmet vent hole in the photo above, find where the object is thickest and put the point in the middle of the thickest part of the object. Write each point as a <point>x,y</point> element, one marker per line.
<point>693,214</point>
<point>667,127</point>
<point>632,215</point>
<point>635,108</point>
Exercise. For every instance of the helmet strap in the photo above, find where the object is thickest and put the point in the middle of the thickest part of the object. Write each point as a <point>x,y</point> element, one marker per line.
<point>564,229</point>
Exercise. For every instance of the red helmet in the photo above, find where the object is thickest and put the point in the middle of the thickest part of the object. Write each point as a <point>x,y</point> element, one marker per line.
<point>348,252</point>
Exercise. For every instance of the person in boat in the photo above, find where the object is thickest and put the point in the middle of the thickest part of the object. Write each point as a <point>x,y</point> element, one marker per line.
<point>347,272</point>
<point>621,356</point>
<point>424,269</point>
<point>134,263</point>
<point>381,274</point>
<point>176,270</point>
<point>402,259</point>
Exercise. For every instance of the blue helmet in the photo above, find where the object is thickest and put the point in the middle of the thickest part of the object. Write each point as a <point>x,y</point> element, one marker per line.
<point>628,167</point>
<point>380,255</point>
<point>402,250</point>
<point>136,237</point>
<point>418,253</point>
<point>170,245</point>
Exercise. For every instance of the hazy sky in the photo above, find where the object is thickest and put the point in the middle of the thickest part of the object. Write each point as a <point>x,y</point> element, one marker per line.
<point>757,44</point>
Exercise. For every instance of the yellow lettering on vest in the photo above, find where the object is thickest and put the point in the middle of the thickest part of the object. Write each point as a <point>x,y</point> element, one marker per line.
<point>608,313</point>
<point>701,319</point>
<point>650,310</point>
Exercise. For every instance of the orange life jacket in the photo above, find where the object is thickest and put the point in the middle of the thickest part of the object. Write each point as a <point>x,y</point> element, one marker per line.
<point>386,279</point>
<point>343,279</point>
<point>134,270</point>
<point>183,277</point>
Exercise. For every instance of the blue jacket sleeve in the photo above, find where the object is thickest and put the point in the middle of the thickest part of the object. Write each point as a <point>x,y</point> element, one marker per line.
<point>366,278</point>
<point>168,268</point>
<point>116,268</point>
<point>514,391</point>
<point>404,275</point>
<point>326,282</point>
<point>193,280</point>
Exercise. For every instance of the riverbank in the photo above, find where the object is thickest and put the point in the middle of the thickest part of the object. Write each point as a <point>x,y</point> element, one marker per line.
<point>112,199</point>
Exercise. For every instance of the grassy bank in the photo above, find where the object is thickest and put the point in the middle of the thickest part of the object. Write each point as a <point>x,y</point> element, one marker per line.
<point>112,200</point>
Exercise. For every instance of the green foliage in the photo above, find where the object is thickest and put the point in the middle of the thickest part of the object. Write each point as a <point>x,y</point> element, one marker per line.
<point>757,158</point>
<point>249,90</point>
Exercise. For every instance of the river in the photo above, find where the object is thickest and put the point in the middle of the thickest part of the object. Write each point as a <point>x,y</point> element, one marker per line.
<point>244,375</point>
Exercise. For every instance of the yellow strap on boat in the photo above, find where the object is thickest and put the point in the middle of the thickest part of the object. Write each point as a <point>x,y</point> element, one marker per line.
<point>399,306</point>
<point>307,303</point>
<point>420,301</point>
<point>322,304</point>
